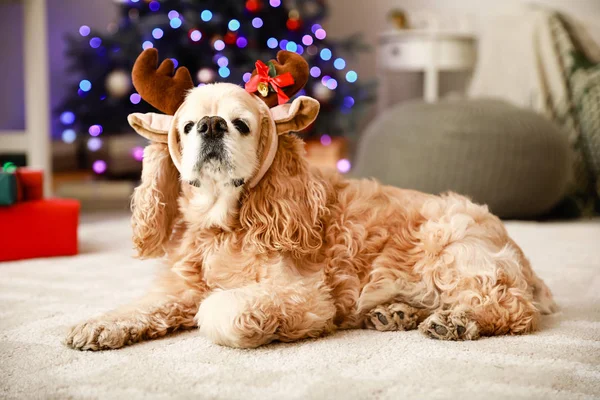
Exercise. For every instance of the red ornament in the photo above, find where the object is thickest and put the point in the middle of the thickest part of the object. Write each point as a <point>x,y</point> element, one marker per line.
<point>230,38</point>
<point>276,82</point>
<point>293,24</point>
<point>253,5</point>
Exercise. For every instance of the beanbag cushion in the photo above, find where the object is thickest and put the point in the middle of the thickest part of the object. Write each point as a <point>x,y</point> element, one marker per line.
<point>515,161</point>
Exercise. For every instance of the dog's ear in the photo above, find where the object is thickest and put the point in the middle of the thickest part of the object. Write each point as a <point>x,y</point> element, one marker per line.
<point>295,116</point>
<point>154,202</point>
<point>152,126</point>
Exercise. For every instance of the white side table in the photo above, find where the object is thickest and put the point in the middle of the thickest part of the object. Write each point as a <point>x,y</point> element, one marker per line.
<point>34,141</point>
<point>422,50</point>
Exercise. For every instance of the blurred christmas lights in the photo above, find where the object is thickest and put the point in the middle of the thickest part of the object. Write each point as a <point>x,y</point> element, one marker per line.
<point>272,43</point>
<point>138,153</point>
<point>195,35</point>
<point>246,77</point>
<point>95,130</point>
<point>320,34</point>
<point>224,72</point>
<point>99,166</point>
<point>67,117</point>
<point>68,136</point>
<point>154,5</point>
<point>325,54</point>
<point>339,63</point>
<point>233,25</point>
<point>84,30</point>
<point>95,42</point>
<point>241,42</point>
<point>325,140</point>
<point>315,72</point>
<point>275,3</point>
<point>219,45</point>
<point>157,33</point>
<point>351,76</point>
<point>206,15</point>
<point>147,45</point>
<point>344,165</point>
<point>85,85</point>
<point>257,22</point>
<point>94,144</point>
<point>307,40</point>
<point>175,23</point>
<point>135,98</point>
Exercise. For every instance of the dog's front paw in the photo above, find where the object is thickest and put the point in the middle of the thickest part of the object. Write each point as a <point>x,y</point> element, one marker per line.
<point>450,325</point>
<point>99,335</point>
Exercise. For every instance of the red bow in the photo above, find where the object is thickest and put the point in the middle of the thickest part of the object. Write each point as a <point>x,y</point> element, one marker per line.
<point>277,82</point>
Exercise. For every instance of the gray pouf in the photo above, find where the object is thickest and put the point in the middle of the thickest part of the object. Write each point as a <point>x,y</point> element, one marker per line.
<point>515,161</point>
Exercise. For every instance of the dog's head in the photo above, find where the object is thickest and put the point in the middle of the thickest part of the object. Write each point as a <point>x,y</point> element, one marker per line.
<point>218,134</point>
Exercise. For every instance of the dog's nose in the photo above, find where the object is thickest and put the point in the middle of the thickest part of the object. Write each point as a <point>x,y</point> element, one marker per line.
<point>212,127</point>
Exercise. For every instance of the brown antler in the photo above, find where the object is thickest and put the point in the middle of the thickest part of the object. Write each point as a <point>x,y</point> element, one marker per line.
<point>158,86</point>
<point>290,62</point>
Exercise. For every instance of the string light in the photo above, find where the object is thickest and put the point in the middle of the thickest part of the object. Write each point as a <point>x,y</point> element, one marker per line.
<point>272,43</point>
<point>275,3</point>
<point>84,30</point>
<point>307,40</point>
<point>233,25</point>
<point>195,35</point>
<point>241,42</point>
<point>67,117</point>
<point>246,77</point>
<point>324,79</point>
<point>224,72</point>
<point>299,49</point>
<point>325,140</point>
<point>257,22</point>
<point>314,28</point>
<point>94,144</point>
<point>326,54</point>
<point>315,72</point>
<point>99,166</point>
<point>135,98</point>
<point>95,42</point>
<point>320,34</point>
<point>219,45</point>
<point>95,130</point>
<point>173,14</point>
<point>344,165</point>
<point>206,15</point>
<point>157,33</point>
<point>154,6</point>
<point>351,76</point>
<point>175,23</point>
<point>339,63</point>
<point>147,45</point>
<point>85,85</point>
<point>69,136</point>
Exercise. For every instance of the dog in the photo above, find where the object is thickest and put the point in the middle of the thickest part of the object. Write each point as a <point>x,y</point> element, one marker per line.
<point>299,253</point>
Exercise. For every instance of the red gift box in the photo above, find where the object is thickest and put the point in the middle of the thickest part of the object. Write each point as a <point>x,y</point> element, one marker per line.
<point>31,183</point>
<point>39,228</point>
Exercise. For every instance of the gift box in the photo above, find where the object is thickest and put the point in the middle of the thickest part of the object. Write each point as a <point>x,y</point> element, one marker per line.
<point>39,228</point>
<point>31,183</point>
<point>8,188</point>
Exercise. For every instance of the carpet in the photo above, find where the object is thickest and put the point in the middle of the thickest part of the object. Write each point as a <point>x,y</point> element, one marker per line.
<point>40,299</point>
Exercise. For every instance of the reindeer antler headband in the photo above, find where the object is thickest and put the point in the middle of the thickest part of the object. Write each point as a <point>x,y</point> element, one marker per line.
<point>273,83</point>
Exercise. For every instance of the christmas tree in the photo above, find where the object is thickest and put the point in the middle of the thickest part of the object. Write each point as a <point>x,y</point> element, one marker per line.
<point>217,40</point>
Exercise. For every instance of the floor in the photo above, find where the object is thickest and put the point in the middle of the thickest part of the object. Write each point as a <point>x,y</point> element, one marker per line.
<point>40,299</point>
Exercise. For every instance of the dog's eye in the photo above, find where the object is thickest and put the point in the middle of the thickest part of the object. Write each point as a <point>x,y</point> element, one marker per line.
<point>241,126</point>
<point>188,127</point>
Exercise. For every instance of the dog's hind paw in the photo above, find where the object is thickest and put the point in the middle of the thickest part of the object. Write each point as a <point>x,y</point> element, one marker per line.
<point>450,325</point>
<point>393,317</point>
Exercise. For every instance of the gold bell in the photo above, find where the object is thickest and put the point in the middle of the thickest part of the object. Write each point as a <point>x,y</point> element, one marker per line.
<point>263,89</point>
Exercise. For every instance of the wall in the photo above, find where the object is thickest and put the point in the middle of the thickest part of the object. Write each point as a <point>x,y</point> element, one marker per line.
<point>63,16</point>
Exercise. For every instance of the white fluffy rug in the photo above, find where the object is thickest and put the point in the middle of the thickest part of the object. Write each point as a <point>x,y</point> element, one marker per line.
<point>39,299</point>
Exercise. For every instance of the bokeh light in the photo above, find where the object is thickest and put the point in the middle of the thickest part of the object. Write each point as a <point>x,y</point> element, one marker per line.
<point>320,34</point>
<point>85,85</point>
<point>326,54</point>
<point>68,136</point>
<point>196,35</point>
<point>275,3</point>
<point>99,166</point>
<point>332,84</point>
<point>219,45</point>
<point>206,15</point>
<point>314,28</point>
<point>307,40</point>
<point>272,43</point>
<point>223,61</point>
<point>339,63</point>
<point>315,72</point>
<point>348,101</point>
<point>283,43</point>
<point>246,77</point>
<point>291,46</point>
<point>325,140</point>
<point>95,130</point>
<point>138,153</point>
<point>224,72</point>
<point>157,33</point>
<point>257,22</point>
<point>95,42</point>
<point>154,5</point>
<point>173,14</point>
<point>241,42</point>
<point>234,25</point>
<point>94,144</point>
<point>84,30</point>
<point>135,98</point>
<point>67,117</point>
<point>351,76</point>
<point>344,165</point>
<point>147,45</point>
<point>175,23</point>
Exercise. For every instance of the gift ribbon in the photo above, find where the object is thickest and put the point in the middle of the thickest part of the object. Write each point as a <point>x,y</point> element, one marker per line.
<point>277,82</point>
